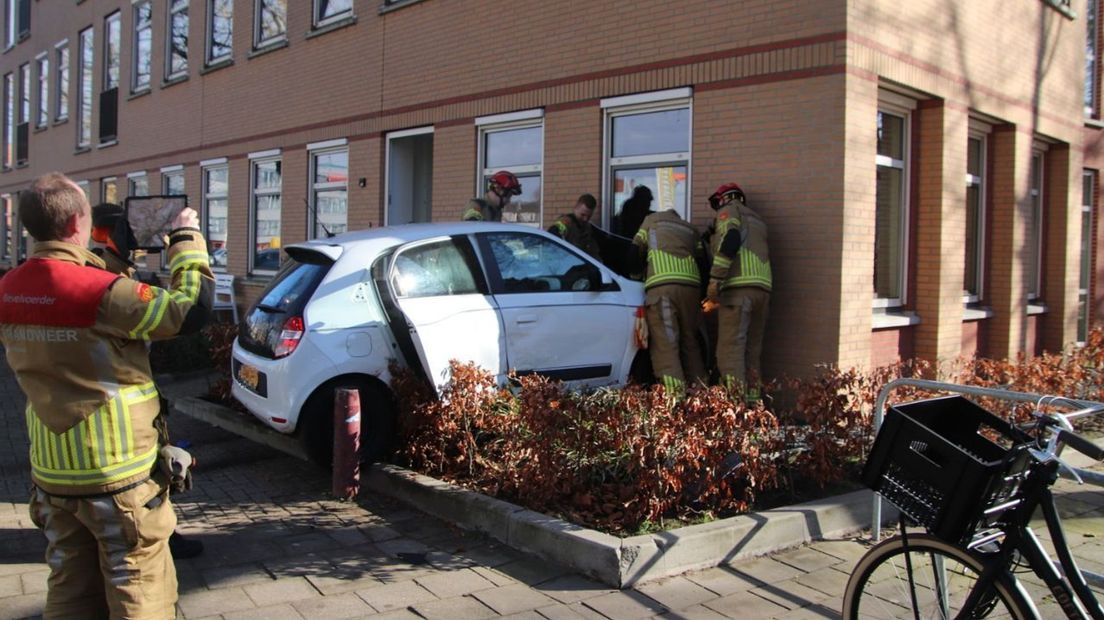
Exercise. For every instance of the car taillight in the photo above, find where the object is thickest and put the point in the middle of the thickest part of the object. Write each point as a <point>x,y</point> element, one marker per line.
<point>290,336</point>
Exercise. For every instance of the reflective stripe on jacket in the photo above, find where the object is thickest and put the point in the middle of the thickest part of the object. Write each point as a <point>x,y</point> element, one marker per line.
<point>751,266</point>
<point>671,244</point>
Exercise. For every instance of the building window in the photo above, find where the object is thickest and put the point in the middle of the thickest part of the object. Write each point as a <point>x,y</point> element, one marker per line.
<point>61,81</point>
<point>266,215</point>
<point>892,206</point>
<point>519,148</point>
<point>17,21</point>
<point>1091,51</point>
<point>176,53</point>
<point>329,192</point>
<point>109,190</point>
<point>648,144</point>
<point>9,120</point>
<point>329,11</point>
<point>220,30</point>
<point>137,184</point>
<point>86,187</point>
<point>5,226</point>
<point>1033,270</point>
<point>216,187</point>
<point>42,64</point>
<point>109,95</point>
<point>976,149</point>
<point>271,23</point>
<point>172,182</point>
<point>143,47</point>
<point>84,89</point>
<point>1088,185</point>
<point>23,128</point>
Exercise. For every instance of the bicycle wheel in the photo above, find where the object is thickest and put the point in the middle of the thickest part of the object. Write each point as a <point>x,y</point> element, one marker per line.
<point>879,586</point>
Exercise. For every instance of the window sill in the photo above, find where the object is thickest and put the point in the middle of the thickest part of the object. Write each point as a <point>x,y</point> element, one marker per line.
<point>215,66</point>
<point>61,121</point>
<point>1095,123</point>
<point>330,27</point>
<point>257,280</point>
<point>41,128</point>
<point>139,93</point>
<point>82,149</point>
<point>1034,309</point>
<point>976,314</point>
<point>108,144</point>
<point>1061,7</point>
<point>19,165</point>
<point>172,81</point>
<point>387,7</point>
<point>896,318</point>
<point>267,48</point>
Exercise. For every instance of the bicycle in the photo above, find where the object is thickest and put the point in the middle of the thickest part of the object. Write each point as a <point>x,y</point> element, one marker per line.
<point>974,482</point>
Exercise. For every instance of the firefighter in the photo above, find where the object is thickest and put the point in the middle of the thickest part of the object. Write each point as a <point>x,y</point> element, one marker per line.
<point>575,227</point>
<point>671,247</point>
<point>740,280</point>
<point>75,336</point>
<point>500,188</point>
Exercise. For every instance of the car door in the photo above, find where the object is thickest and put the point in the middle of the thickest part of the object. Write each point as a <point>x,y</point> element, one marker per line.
<point>559,319</point>
<point>442,293</point>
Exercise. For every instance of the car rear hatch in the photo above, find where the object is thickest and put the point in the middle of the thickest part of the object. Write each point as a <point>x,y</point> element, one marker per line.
<point>274,324</point>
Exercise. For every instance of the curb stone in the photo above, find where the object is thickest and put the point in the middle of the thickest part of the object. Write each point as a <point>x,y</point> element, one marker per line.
<point>618,562</point>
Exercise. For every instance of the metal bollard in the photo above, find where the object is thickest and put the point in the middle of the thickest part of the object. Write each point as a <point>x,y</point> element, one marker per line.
<point>346,446</point>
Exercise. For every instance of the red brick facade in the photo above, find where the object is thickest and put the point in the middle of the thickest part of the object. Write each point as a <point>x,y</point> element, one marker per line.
<point>784,99</point>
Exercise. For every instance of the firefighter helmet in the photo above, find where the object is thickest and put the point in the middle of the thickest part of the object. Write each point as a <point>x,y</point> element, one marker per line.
<point>507,182</point>
<point>725,194</point>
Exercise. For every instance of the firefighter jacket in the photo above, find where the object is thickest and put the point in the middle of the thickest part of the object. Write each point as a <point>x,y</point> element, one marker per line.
<point>480,210</point>
<point>750,266</point>
<point>75,335</point>
<point>673,248</point>
<point>578,234</point>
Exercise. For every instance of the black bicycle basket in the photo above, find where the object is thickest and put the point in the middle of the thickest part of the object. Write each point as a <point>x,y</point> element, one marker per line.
<point>945,462</point>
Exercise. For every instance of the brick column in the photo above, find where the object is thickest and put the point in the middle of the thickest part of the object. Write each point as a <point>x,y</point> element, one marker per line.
<point>294,214</point>
<point>1062,251</point>
<point>1007,238</point>
<point>453,169</point>
<point>573,159</point>
<point>940,237</point>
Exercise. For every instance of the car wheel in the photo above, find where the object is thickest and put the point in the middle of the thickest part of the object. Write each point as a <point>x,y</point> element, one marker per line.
<point>377,422</point>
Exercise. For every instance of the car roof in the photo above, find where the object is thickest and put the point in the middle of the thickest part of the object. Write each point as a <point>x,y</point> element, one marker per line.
<point>406,233</point>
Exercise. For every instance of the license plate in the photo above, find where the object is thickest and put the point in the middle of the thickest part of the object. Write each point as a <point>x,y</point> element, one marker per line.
<point>249,376</point>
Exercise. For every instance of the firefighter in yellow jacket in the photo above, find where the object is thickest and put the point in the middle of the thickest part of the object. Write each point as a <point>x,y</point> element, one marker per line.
<point>672,247</point>
<point>740,279</point>
<point>75,335</point>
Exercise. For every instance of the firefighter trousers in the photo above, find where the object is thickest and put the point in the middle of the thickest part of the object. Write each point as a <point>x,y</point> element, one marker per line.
<point>674,319</point>
<point>109,555</point>
<point>741,321</point>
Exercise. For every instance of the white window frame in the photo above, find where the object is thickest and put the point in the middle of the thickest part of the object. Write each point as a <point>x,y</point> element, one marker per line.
<point>7,217</point>
<point>172,12</point>
<point>210,38</point>
<point>9,120</point>
<point>1036,199</point>
<point>132,180</point>
<point>1083,291</point>
<point>206,196</point>
<point>979,131</point>
<point>24,111</point>
<point>11,23</point>
<point>105,79</point>
<point>314,151</point>
<point>42,68</point>
<point>85,76</point>
<point>629,105</point>
<point>526,119</point>
<point>135,59</point>
<point>259,43</point>
<point>166,173</point>
<point>316,15</point>
<point>1092,48</point>
<point>104,182</point>
<point>901,107</point>
<point>256,160</point>
<point>62,76</point>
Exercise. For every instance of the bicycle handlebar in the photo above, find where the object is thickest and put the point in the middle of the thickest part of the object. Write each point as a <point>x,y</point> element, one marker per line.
<point>1081,444</point>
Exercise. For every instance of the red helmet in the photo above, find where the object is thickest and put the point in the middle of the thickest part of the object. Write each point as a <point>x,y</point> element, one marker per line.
<point>509,184</point>
<point>725,194</point>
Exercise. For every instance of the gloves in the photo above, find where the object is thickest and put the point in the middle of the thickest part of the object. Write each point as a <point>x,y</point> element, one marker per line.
<point>713,290</point>
<point>177,464</point>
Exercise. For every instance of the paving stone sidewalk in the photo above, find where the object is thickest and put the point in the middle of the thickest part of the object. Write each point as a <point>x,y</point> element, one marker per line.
<point>276,547</point>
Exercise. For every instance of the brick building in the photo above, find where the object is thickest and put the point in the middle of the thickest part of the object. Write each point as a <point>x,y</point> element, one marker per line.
<point>927,168</point>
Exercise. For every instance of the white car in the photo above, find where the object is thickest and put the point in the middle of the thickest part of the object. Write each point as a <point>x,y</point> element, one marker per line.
<point>505,296</point>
